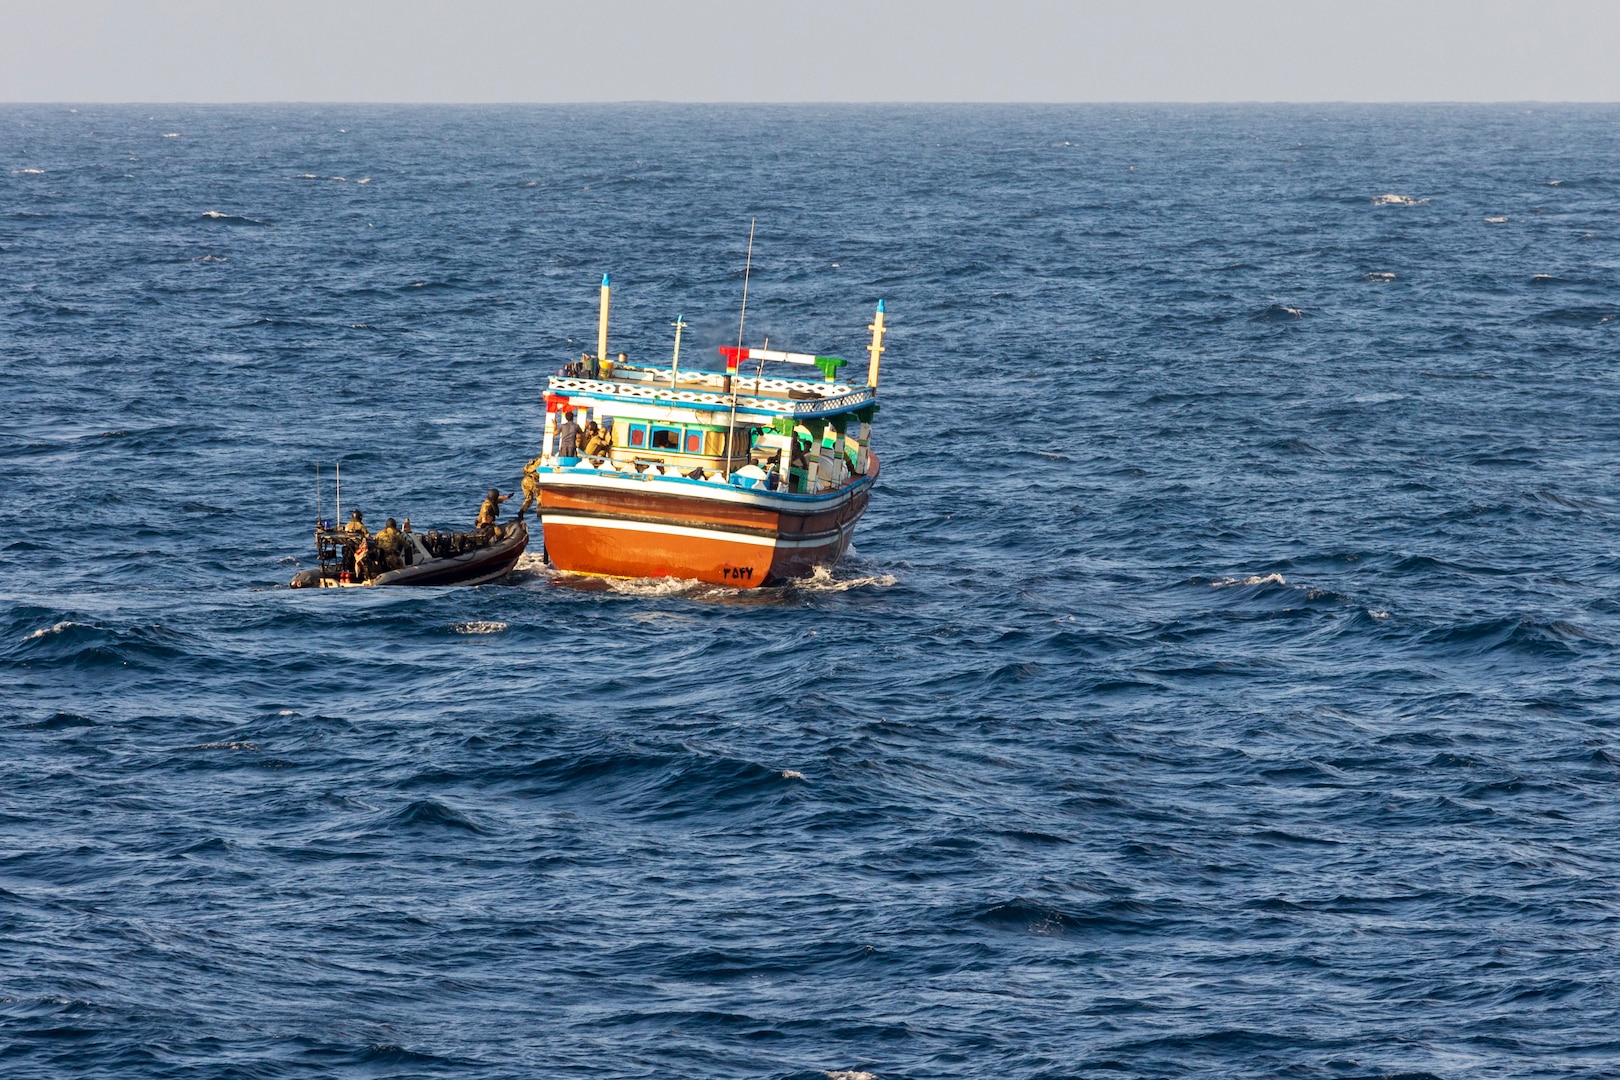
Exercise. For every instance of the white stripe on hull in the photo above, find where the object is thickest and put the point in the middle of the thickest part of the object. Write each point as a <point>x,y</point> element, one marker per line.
<point>780,543</point>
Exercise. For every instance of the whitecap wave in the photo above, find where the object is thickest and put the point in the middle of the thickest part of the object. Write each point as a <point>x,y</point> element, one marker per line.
<point>27,172</point>
<point>1495,220</point>
<point>49,630</point>
<point>1379,275</point>
<point>792,774</point>
<point>225,744</point>
<point>480,627</point>
<point>1397,200</point>
<point>171,134</point>
<point>1269,579</point>
<point>849,1074</point>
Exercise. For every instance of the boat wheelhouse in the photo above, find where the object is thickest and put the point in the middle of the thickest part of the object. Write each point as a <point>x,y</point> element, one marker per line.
<point>741,478</point>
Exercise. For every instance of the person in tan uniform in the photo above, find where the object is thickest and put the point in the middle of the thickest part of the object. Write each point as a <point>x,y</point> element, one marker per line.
<point>491,510</point>
<point>531,486</point>
<point>390,544</point>
<point>593,441</point>
<point>357,525</point>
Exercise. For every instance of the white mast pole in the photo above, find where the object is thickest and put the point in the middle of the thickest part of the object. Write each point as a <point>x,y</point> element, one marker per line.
<point>675,364</point>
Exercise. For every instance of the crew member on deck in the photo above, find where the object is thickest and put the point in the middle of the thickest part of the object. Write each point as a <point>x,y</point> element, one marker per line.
<point>357,524</point>
<point>490,510</point>
<point>568,436</point>
<point>531,485</point>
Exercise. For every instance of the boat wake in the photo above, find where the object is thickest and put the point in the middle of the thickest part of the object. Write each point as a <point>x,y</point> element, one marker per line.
<point>534,563</point>
<point>824,580</point>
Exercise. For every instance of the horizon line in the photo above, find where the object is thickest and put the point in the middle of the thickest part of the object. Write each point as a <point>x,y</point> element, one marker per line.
<point>835,102</point>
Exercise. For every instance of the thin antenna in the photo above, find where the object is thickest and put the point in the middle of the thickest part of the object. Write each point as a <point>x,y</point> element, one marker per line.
<point>317,495</point>
<point>731,424</point>
<point>747,268</point>
<point>337,467</point>
<point>675,365</point>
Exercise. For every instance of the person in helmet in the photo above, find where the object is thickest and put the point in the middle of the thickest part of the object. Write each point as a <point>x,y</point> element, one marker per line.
<point>490,510</point>
<point>531,486</point>
<point>390,543</point>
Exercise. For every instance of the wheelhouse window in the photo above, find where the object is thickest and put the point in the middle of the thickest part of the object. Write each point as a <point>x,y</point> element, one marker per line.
<point>694,442</point>
<point>636,435</point>
<point>664,438</point>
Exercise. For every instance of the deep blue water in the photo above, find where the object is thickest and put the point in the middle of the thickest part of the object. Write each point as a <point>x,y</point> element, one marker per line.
<point>1224,683</point>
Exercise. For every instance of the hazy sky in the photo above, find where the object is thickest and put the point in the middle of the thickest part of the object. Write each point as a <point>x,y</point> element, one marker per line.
<point>830,50</point>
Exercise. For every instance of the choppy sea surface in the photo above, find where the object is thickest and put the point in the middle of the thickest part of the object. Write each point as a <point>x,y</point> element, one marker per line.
<point>1224,682</point>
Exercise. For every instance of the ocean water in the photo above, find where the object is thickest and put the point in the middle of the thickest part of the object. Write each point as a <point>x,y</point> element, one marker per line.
<point>1223,684</point>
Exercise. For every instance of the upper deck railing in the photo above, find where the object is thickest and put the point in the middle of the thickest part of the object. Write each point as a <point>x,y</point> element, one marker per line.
<point>706,390</point>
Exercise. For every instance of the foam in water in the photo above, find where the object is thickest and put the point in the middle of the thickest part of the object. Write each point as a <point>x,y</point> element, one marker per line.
<point>49,630</point>
<point>671,586</point>
<point>822,580</point>
<point>792,774</point>
<point>490,627</point>
<point>1397,200</point>
<point>1269,579</point>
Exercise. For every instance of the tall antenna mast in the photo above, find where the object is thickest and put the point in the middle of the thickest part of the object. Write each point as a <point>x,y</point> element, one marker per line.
<point>675,365</point>
<point>731,424</point>
<point>747,268</point>
<point>317,495</point>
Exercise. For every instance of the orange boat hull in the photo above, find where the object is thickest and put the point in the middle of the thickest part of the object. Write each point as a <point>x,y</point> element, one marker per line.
<point>620,531</point>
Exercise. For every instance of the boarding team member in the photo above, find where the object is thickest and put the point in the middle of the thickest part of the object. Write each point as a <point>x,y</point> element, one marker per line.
<point>594,440</point>
<point>357,524</point>
<point>531,486</point>
<point>391,546</point>
<point>490,510</point>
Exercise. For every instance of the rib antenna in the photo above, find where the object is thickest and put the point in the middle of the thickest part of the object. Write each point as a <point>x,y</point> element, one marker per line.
<point>748,266</point>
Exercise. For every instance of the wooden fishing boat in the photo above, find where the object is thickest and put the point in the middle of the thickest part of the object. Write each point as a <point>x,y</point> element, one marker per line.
<point>437,558</point>
<point>743,478</point>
